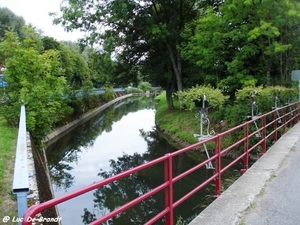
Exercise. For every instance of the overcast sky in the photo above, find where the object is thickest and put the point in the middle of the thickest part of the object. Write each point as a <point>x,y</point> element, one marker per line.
<point>36,13</point>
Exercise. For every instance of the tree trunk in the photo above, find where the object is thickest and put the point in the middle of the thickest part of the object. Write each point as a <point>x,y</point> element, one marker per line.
<point>177,67</point>
<point>169,93</point>
<point>268,78</point>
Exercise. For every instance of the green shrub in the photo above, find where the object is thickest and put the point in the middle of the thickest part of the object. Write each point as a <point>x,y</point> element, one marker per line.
<point>109,94</point>
<point>133,90</point>
<point>264,99</point>
<point>144,86</point>
<point>214,97</point>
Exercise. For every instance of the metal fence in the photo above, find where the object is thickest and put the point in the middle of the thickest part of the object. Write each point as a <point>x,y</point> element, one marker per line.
<point>254,136</point>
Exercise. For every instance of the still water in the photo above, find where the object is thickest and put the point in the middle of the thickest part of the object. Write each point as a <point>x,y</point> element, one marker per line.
<point>122,137</point>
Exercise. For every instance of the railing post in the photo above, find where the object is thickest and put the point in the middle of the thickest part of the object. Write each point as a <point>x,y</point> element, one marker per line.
<point>284,119</point>
<point>298,112</point>
<point>168,176</point>
<point>275,125</point>
<point>218,166</point>
<point>292,119</point>
<point>246,146</point>
<point>264,134</point>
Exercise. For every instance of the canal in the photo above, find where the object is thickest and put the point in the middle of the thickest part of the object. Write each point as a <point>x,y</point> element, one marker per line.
<point>120,138</point>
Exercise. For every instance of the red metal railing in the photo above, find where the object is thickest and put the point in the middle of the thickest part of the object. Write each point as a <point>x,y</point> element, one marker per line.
<point>257,134</point>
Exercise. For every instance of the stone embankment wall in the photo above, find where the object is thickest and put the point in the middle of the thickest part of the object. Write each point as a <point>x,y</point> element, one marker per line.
<point>60,132</point>
<point>33,195</point>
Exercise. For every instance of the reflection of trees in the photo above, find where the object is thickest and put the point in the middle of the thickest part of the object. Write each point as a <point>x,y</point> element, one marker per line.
<point>60,177</point>
<point>122,191</point>
<point>59,170</point>
<point>65,151</point>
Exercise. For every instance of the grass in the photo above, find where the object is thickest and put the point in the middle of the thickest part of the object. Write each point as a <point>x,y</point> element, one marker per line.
<point>8,136</point>
<point>181,124</point>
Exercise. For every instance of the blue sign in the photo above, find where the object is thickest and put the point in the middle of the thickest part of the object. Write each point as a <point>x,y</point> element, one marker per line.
<point>2,82</point>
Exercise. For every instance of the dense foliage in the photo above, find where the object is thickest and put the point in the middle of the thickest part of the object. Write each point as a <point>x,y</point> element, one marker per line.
<point>41,73</point>
<point>245,43</point>
<point>179,45</point>
<point>211,96</point>
<point>36,80</point>
<point>265,99</point>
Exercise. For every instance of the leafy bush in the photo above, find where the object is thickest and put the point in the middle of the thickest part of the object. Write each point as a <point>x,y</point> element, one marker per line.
<point>109,94</point>
<point>214,97</point>
<point>133,90</point>
<point>264,99</point>
<point>144,86</point>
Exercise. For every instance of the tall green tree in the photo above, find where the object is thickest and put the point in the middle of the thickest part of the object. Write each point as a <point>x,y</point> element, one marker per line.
<point>76,68</point>
<point>102,68</point>
<point>246,42</point>
<point>36,80</point>
<point>132,30</point>
<point>10,21</point>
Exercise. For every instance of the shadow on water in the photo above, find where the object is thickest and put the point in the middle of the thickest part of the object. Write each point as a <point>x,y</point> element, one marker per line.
<point>66,155</point>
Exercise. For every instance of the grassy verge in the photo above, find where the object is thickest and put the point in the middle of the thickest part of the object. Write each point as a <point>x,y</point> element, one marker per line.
<point>180,124</point>
<point>8,136</point>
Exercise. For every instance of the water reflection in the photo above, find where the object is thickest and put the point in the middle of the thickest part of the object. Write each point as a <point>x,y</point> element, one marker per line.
<point>122,137</point>
<point>65,152</point>
<point>110,197</point>
<point>76,159</point>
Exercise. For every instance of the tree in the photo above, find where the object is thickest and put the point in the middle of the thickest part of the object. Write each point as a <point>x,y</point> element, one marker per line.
<point>102,67</point>
<point>132,30</point>
<point>37,81</point>
<point>10,21</point>
<point>245,43</point>
<point>75,66</point>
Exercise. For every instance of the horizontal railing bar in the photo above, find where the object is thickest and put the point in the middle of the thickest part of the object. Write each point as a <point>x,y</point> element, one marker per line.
<point>217,157</point>
<point>38,208</point>
<point>193,169</point>
<point>232,162</point>
<point>158,216</point>
<point>21,181</point>
<point>183,150</point>
<point>130,204</point>
<point>256,145</point>
<point>233,145</point>
<point>198,188</point>
<point>235,128</point>
<point>20,185</point>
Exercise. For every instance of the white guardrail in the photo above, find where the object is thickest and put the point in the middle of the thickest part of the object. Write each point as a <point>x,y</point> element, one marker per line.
<point>21,177</point>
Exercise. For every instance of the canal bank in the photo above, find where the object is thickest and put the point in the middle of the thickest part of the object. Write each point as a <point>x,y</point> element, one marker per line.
<point>61,131</point>
<point>235,204</point>
<point>39,177</point>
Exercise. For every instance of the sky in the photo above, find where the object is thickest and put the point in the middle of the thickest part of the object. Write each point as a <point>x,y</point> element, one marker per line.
<point>36,13</point>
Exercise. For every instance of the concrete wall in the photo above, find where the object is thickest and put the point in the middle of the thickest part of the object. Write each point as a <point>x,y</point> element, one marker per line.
<point>33,195</point>
<point>61,131</point>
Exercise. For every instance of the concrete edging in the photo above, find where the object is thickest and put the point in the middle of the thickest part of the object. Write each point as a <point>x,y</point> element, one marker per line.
<point>61,131</point>
<point>230,207</point>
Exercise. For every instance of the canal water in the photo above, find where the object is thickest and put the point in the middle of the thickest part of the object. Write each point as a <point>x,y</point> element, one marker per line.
<point>120,138</point>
